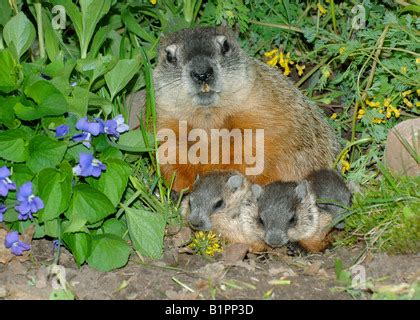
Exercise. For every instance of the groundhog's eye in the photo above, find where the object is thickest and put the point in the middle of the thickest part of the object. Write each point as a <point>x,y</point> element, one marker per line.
<point>292,220</point>
<point>219,204</point>
<point>260,221</point>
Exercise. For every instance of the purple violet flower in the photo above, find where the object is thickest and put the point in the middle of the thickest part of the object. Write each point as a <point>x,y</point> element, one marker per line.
<point>12,242</point>
<point>88,129</point>
<point>61,131</point>
<point>5,183</point>
<point>28,203</point>
<point>88,166</point>
<point>3,209</point>
<point>114,127</point>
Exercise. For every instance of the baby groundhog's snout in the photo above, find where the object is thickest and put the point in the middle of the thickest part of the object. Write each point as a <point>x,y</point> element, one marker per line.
<point>197,223</point>
<point>276,238</point>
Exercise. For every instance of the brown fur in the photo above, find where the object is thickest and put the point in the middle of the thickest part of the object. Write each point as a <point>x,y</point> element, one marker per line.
<point>297,138</point>
<point>322,239</point>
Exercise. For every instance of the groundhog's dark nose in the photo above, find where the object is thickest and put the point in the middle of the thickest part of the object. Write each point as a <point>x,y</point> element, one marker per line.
<point>202,76</point>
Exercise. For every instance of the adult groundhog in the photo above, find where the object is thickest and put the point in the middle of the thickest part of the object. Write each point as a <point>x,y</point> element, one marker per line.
<point>204,80</point>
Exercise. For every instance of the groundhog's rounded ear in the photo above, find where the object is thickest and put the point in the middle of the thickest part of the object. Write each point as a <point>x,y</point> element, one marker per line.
<point>257,191</point>
<point>302,189</point>
<point>235,182</point>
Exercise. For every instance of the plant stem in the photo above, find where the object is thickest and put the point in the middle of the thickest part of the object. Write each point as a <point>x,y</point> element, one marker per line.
<point>311,72</point>
<point>334,20</point>
<point>375,55</point>
<point>38,10</point>
<point>275,25</point>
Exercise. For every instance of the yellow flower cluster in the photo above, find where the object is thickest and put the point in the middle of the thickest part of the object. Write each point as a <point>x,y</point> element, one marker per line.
<point>345,164</point>
<point>384,107</point>
<point>206,243</point>
<point>407,94</point>
<point>277,57</point>
<point>153,2</point>
<point>322,10</point>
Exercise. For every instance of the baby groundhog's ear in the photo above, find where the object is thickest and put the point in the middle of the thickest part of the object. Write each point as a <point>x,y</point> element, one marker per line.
<point>305,194</point>
<point>257,191</point>
<point>235,182</point>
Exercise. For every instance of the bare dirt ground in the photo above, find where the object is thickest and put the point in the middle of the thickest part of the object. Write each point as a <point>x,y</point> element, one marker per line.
<point>235,275</point>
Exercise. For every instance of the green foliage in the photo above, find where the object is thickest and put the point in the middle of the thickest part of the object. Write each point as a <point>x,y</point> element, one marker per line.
<point>51,77</point>
<point>84,71</point>
<point>386,215</point>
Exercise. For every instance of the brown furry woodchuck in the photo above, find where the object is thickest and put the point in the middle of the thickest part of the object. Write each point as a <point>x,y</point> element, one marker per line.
<point>203,77</point>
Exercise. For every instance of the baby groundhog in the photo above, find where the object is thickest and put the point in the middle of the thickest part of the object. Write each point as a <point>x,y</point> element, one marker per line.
<point>222,201</point>
<point>204,80</point>
<point>304,211</point>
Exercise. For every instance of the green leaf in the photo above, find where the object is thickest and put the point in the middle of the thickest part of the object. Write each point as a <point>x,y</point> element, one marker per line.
<point>132,25</point>
<point>45,152</point>
<point>146,231</point>
<point>19,33</point>
<point>121,74</point>
<point>133,141</point>
<point>76,224</point>
<point>7,114</point>
<point>54,188</point>
<point>113,226</point>
<point>73,12</point>
<point>89,203</point>
<point>108,252</point>
<point>8,72</point>
<point>21,174</point>
<point>79,244</point>
<point>52,228</point>
<point>13,145</point>
<point>78,102</point>
<point>52,38</point>
<point>113,180</point>
<point>50,101</point>
<point>92,13</point>
<point>5,12</point>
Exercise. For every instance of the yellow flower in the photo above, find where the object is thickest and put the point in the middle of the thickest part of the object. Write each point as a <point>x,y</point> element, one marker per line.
<point>408,103</point>
<point>153,2</point>
<point>322,10</point>
<point>378,121</point>
<point>333,116</point>
<point>271,53</point>
<point>361,113</point>
<point>406,93</point>
<point>417,60</point>
<point>397,113</point>
<point>342,50</point>
<point>273,61</point>
<point>418,92</point>
<point>345,166</point>
<point>387,102</point>
<point>418,104</point>
<point>281,59</point>
<point>206,243</point>
<point>300,69</point>
<point>372,103</point>
<point>326,73</point>
<point>286,70</point>
<point>403,70</point>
